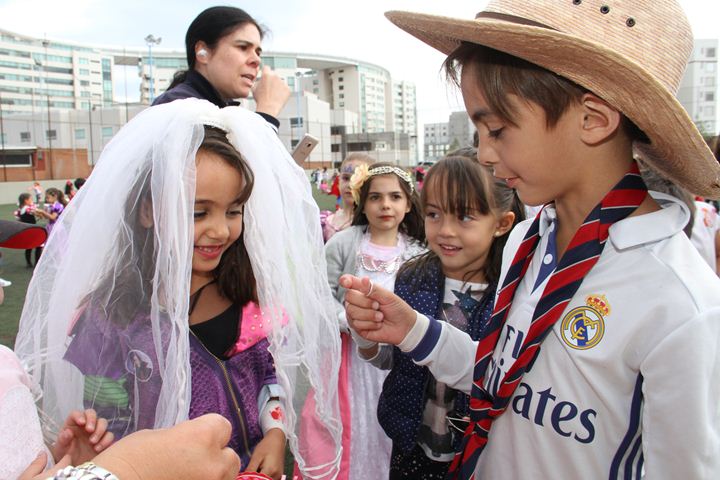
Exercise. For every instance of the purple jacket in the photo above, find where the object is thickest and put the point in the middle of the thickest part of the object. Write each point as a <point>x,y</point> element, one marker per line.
<point>120,365</point>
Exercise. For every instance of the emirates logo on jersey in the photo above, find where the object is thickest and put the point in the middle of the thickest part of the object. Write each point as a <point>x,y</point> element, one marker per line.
<point>583,327</point>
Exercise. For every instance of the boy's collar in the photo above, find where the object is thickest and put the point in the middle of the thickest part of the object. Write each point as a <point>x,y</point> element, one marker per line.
<point>640,229</point>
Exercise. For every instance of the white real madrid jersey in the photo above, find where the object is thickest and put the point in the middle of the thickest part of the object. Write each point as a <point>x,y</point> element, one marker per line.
<point>627,383</point>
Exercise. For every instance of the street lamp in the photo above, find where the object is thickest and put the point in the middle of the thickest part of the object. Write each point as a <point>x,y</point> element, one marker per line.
<point>151,40</point>
<point>45,44</point>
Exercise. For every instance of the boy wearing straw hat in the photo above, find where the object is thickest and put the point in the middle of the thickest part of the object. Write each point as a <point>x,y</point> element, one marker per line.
<point>600,359</point>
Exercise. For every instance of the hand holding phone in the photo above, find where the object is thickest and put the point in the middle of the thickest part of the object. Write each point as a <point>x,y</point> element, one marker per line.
<point>303,148</point>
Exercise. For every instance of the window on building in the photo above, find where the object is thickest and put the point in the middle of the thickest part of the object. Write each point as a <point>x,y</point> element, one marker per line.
<point>17,159</point>
<point>710,52</point>
<point>84,71</point>
<point>296,122</point>
<point>342,95</point>
<point>335,148</point>
<point>293,143</point>
<point>79,134</point>
<point>24,137</point>
<point>83,61</point>
<point>107,132</point>
<point>341,87</point>
<point>709,96</point>
<point>51,134</point>
<point>340,79</point>
<point>84,83</point>
<point>342,104</point>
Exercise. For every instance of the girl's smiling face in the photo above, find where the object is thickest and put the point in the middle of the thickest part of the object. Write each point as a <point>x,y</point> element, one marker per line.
<point>218,212</point>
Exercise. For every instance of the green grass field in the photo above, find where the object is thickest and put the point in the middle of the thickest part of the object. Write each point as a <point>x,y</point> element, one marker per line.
<point>12,268</point>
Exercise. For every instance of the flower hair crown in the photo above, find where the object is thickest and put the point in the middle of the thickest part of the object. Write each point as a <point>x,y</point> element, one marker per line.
<point>363,173</point>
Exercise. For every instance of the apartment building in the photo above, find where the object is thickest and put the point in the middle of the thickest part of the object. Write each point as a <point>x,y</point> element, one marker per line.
<point>698,91</point>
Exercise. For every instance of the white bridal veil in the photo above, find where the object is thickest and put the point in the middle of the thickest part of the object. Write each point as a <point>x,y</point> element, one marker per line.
<point>122,250</point>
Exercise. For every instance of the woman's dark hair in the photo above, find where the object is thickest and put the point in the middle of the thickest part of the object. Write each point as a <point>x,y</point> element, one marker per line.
<point>210,26</point>
<point>22,198</point>
<point>234,274</point>
<point>461,185</point>
<point>412,225</point>
<point>57,193</point>
<point>500,74</point>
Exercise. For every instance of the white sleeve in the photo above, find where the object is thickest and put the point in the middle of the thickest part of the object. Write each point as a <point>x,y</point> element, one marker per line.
<point>448,352</point>
<point>681,392</point>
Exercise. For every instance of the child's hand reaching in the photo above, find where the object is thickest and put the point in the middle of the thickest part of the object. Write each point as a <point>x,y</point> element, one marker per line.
<point>269,455</point>
<point>83,436</point>
<point>374,313</point>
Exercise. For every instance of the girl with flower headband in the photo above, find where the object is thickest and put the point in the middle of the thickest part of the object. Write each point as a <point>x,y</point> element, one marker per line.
<point>387,230</point>
<point>174,301</point>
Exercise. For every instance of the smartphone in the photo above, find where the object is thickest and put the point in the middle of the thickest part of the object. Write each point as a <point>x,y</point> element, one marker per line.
<point>303,148</point>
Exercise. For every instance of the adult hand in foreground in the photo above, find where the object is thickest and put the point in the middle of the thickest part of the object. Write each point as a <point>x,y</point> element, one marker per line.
<point>194,449</point>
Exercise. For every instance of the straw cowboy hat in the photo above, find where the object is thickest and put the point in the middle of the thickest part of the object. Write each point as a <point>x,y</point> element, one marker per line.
<point>631,53</point>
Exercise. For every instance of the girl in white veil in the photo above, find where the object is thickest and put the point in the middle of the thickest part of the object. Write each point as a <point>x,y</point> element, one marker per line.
<point>105,322</point>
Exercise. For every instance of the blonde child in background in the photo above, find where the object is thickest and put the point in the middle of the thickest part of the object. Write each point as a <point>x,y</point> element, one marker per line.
<point>343,217</point>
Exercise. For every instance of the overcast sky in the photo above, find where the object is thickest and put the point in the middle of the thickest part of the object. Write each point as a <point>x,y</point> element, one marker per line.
<point>355,29</point>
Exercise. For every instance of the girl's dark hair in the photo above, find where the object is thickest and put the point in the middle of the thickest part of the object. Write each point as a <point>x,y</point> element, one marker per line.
<point>500,74</point>
<point>22,198</point>
<point>57,193</point>
<point>234,274</point>
<point>461,185</point>
<point>210,26</point>
<point>412,225</point>
<point>68,187</point>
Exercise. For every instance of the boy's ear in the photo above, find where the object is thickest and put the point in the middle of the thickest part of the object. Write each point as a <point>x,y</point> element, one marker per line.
<point>504,224</point>
<point>599,120</point>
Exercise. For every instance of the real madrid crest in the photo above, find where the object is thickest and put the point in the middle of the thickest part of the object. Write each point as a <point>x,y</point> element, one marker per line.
<point>583,327</point>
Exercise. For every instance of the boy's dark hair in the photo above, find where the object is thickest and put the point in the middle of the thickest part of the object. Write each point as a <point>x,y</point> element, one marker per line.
<point>500,74</point>
<point>210,26</point>
<point>462,185</point>
<point>79,182</point>
<point>234,273</point>
<point>22,198</point>
<point>412,225</point>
